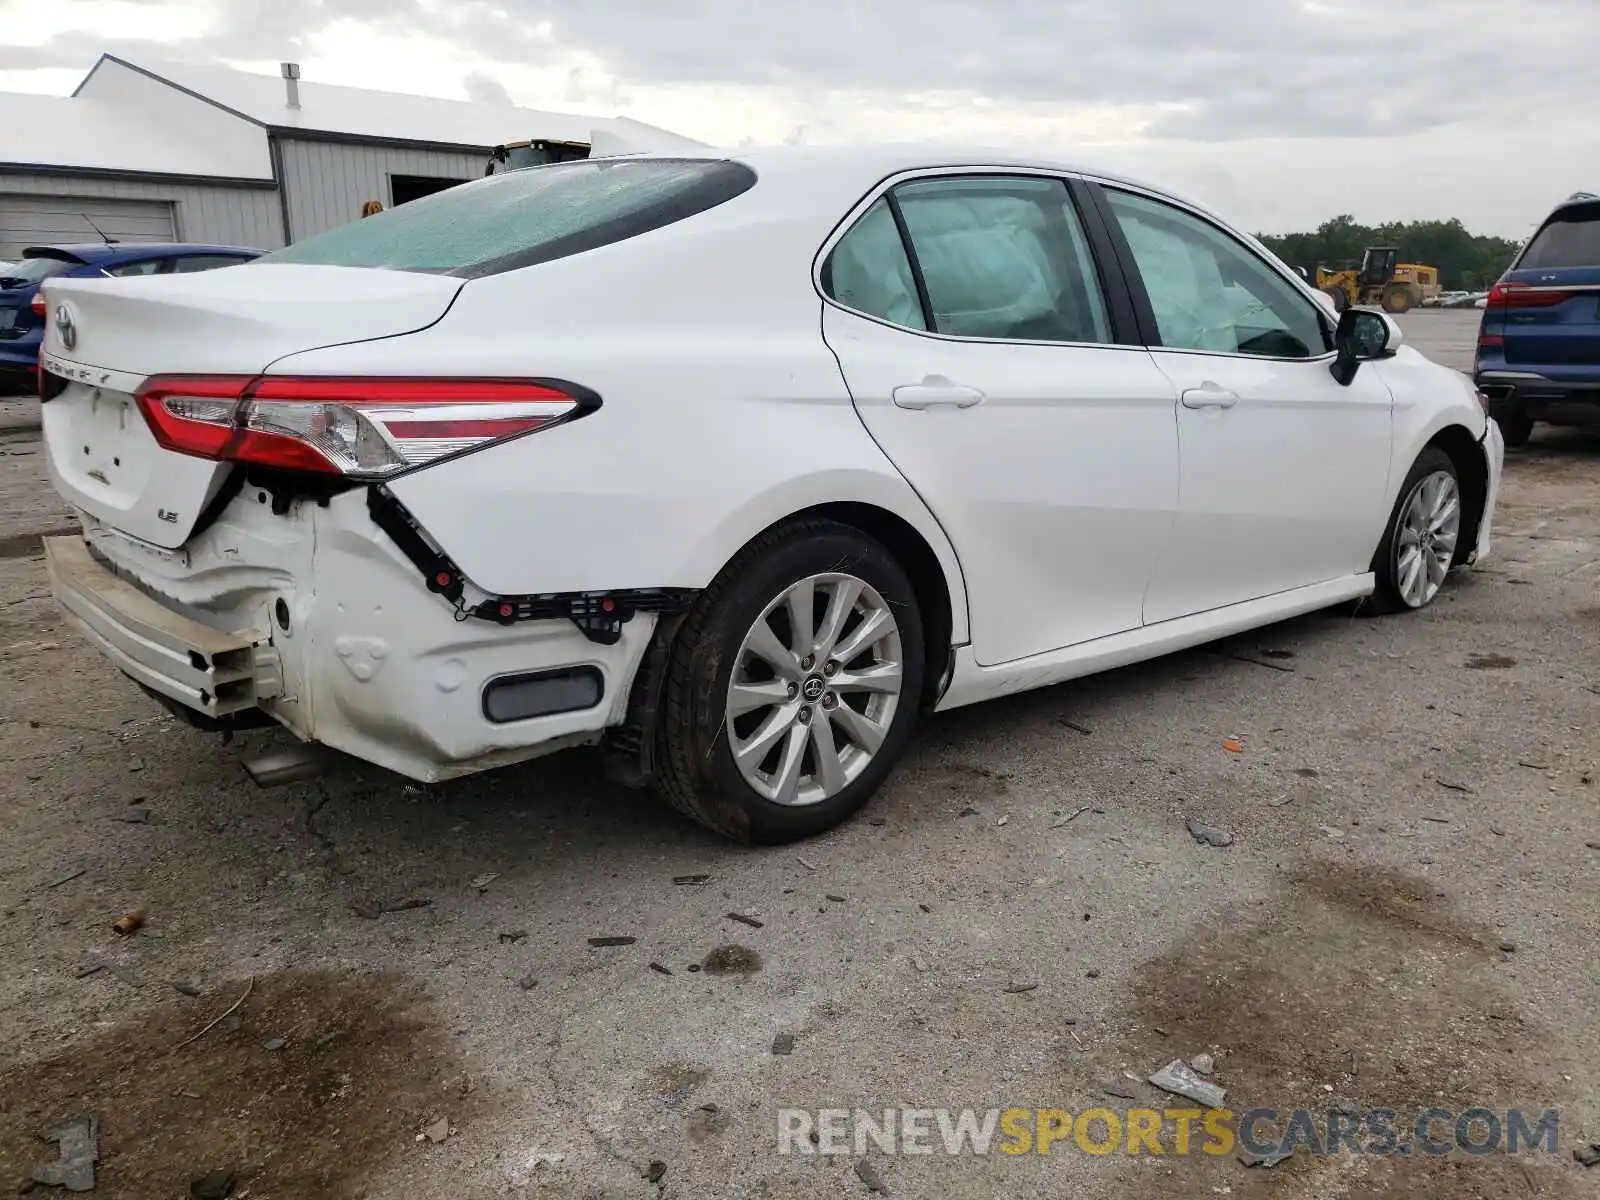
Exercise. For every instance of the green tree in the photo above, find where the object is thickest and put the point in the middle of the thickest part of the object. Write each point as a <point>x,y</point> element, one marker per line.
<point>1465,260</point>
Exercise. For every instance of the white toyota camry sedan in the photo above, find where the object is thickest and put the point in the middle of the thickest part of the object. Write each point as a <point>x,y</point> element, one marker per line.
<point>733,463</point>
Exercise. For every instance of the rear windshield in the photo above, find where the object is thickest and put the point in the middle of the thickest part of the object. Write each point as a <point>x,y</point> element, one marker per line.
<point>525,217</point>
<point>1570,239</point>
<point>32,270</point>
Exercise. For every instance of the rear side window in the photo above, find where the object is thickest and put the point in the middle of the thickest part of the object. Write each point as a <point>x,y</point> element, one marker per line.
<point>207,262</point>
<point>1571,238</point>
<point>521,218</point>
<point>869,271</point>
<point>142,266</point>
<point>1004,258</point>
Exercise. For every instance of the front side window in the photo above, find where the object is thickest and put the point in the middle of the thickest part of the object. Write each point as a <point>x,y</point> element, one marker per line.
<point>1004,257</point>
<point>1209,292</point>
<point>520,218</point>
<point>869,271</point>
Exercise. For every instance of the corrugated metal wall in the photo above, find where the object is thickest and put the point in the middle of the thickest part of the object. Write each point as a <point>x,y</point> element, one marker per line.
<point>328,182</point>
<point>225,215</point>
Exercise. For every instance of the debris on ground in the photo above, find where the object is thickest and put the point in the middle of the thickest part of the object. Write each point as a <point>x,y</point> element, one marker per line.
<point>1587,1156</point>
<point>690,880</point>
<point>1075,727</point>
<point>878,821</point>
<point>835,899</point>
<point>659,969</point>
<point>1016,989</point>
<point>1118,1091</point>
<point>783,1044</point>
<point>969,811</point>
<point>1093,972</point>
<point>1177,1078</point>
<point>730,960</point>
<point>1497,830</point>
<point>129,921</point>
<point>1203,1064</point>
<point>1335,834</point>
<point>214,1185</point>
<point>920,963</point>
<point>79,1140</point>
<point>1452,786</point>
<point>92,962</point>
<point>437,1132</point>
<point>227,1014</point>
<point>810,866</point>
<point>744,920</point>
<point>611,941</point>
<point>55,883</point>
<point>527,983</point>
<point>868,1174</point>
<point>1003,819</point>
<point>482,882</point>
<point>185,988</point>
<point>1071,816</point>
<point>510,937</point>
<point>1208,835</point>
<point>1274,652</point>
<point>656,1171</point>
<point>1233,745</point>
<point>135,816</point>
<point>1269,1160</point>
<point>274,1044</point>
<point>1507,945</point>
<point>376,909</point>
<point>1280,801</point>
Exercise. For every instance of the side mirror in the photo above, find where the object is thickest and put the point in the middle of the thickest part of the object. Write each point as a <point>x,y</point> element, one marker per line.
<point>1363,335</point>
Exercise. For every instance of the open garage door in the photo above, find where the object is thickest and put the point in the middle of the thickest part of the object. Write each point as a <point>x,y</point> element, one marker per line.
<point>50,220</point>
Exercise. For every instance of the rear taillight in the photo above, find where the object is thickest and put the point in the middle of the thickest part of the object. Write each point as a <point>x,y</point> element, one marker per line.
<point>37,305</point>
<point>359,428</point>
<point>1522,295</point>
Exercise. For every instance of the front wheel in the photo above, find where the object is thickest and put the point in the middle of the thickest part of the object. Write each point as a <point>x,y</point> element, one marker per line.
<point>1420,544</point>
<point>793,685</point>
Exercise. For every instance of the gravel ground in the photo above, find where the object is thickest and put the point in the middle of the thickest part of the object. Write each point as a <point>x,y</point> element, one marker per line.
<point>1410,796</point>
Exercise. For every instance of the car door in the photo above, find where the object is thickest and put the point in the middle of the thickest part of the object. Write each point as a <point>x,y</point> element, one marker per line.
<point>1283,472</point>
<point>986,354</point>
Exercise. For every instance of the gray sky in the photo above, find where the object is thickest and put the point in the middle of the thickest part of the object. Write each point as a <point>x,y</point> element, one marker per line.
<point>1279,112</point>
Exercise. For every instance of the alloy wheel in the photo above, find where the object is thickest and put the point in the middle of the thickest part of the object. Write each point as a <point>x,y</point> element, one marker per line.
<point>814,689</point>
<point>1425,542</point>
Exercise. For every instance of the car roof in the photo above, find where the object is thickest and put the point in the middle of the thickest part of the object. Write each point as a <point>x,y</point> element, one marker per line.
<point>91,252</point>
<point>874,162</point>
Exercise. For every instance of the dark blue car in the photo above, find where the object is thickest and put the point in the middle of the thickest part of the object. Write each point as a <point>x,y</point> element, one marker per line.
<point>22,317</point>
<point>1539,344</point>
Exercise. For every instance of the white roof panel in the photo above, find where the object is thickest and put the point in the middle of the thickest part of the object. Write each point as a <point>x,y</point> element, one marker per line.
<point>333,109</point>
<point>67,132</point>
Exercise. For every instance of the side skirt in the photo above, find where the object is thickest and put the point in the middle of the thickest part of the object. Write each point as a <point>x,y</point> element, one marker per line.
<point>973,683</point>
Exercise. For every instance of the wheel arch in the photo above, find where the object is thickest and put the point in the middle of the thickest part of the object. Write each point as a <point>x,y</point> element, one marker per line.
<point>1472,473</point>
<point>631,744</point>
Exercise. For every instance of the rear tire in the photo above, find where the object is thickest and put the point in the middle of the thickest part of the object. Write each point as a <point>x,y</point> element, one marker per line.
<point>1516,428</point>
<point>1341,300</point>
<point>1419,544</point>
<point>769,733</point>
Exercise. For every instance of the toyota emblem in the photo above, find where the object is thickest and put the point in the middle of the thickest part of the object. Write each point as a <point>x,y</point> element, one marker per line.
<point>65,328</point>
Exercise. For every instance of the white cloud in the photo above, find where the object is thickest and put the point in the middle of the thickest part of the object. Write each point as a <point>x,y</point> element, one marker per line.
<point>1280,112</point>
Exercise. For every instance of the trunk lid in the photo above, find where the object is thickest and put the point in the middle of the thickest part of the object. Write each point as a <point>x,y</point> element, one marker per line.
<point>102,456</point>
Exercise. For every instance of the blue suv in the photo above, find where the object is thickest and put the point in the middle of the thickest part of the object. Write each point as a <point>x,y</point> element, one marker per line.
<point>1539,344</point>
<point>22,312</point>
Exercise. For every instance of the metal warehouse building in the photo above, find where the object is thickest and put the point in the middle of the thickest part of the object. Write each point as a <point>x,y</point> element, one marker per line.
<point>149,151</point>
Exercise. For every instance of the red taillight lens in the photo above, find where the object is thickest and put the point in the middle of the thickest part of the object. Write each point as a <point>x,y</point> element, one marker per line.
<point>361,428</point>
<point>1522,295</point>
<point>37,304</point>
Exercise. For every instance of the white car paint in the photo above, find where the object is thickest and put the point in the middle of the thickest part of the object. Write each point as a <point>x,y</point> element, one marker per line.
<point>1082,517</point>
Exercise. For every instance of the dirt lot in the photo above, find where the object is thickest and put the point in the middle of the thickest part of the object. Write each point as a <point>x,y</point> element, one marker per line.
<point>1413,796</point>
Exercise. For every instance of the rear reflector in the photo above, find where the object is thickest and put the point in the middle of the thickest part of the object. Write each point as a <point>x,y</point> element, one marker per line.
<point>542,694</point>
<point>358,428</point>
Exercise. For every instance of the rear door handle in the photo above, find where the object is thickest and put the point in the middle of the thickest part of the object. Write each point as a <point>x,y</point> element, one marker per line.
<point>1209,396</point>
<point>936,395</point>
